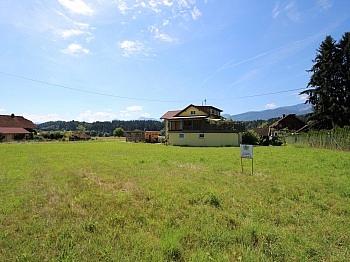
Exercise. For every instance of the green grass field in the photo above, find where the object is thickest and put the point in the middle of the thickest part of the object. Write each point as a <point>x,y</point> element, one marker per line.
<point>117,201</point>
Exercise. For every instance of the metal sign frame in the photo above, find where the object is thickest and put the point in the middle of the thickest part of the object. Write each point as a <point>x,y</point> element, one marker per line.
<point>247,152</point>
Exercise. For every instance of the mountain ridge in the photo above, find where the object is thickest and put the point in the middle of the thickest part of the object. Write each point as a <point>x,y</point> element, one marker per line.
<point>299,109</point>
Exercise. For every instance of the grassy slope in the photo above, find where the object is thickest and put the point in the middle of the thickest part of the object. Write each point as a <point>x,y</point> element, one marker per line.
<point>116,201</point>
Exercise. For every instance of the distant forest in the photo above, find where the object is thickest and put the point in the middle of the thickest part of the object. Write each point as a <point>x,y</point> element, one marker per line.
<point>106,128</point>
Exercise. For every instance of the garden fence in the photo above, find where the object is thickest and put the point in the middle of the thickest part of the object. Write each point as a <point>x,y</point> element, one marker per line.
<point>337,138</point>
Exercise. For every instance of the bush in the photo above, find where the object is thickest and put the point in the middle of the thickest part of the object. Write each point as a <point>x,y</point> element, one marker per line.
<point>276,141</point>
<point>251,138</point>
<point>119,132</point>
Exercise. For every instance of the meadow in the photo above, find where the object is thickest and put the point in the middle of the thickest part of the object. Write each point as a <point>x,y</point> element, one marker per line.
<point>117,201</point>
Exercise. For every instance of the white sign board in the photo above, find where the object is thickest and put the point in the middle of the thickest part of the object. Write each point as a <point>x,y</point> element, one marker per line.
<point>246,151</point>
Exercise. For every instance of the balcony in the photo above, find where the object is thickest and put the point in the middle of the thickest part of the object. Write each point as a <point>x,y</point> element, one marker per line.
<point>205,127</point>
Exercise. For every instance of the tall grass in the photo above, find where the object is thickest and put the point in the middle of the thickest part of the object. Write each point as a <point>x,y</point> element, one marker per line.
<point>116,201</point>
<point>336,138</point>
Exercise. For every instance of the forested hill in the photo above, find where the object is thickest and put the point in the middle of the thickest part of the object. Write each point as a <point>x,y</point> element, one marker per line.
<point>105,127</point>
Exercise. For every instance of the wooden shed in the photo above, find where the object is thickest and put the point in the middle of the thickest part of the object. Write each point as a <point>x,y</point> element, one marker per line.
<point>141,136</point>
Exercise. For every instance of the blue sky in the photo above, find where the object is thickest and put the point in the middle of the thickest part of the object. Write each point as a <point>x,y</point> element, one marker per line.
<point>99,60</point>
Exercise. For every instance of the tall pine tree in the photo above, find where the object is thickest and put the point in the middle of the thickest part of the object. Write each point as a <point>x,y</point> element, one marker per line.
<point>328,87</point>
<point>344,56</point>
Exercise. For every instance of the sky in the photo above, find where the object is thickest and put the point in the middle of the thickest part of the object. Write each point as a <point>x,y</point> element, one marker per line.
<point>101,60</point>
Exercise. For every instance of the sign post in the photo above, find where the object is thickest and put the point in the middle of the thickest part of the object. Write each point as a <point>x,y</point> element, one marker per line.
<point>246,152</point>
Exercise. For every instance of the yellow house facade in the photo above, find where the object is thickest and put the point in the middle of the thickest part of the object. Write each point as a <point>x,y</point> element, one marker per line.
<point>201,126</point>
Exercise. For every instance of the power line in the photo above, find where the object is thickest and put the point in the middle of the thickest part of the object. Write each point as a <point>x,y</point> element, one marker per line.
<point>89,92</point>
<point>144,99</point>
<point>257,95</point>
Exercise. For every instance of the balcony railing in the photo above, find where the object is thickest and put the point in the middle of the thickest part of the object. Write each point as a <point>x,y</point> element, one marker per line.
<point>211,128</point>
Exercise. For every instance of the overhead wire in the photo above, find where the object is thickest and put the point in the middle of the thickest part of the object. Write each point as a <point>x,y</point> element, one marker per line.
<point>144,99</point>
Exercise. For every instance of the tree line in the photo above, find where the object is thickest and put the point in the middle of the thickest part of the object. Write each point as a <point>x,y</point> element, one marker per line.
<point>328,89</point>
<point>108,128</point>
<point>102,128</point>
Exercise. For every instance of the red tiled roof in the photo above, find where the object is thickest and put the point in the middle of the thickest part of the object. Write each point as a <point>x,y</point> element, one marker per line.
<point>13,130</point>
<point>16,121</point>
<point>170,114</point>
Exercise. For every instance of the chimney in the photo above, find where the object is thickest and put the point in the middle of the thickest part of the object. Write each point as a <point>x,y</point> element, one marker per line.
<point>284,115</point>
<point>12,115</point>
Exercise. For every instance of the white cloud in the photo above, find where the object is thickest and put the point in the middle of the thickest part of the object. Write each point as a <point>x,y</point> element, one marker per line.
<point>73,28</point>
<point>166,22</point>
<point>2,110</point>
<point>71,32</point>
<point>324,5</point>
<point>195,13</point>
<point>183,3</point>
<point>168,13</point>
<point>164,37</point>
<point>134,108</point>
<point>145,115</point>
<point>292,11</point>
<point>167,3</point>
<point>77,6</point>
<point>123,6</point>
<point>90,116</point>
<point>160,36</point>
<point>74,49</point>
<point>270,106</point>
<point>133,112</point>
<point>275,10</point>
<point>41,118</point>
<point>124,115</point>
<point>154,6</point>
<point>132,48</point>
<point>303,97</point>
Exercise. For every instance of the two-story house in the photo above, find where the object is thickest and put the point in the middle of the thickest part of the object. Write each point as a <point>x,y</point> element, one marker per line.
<point>201,126</point>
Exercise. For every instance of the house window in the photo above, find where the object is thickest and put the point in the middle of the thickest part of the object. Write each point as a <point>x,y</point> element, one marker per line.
<point>201,136</point>
<point>193,112</point>
<point>181,135</point>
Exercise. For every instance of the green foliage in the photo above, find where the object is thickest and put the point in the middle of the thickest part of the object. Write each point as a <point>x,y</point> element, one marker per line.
<point>119,132</point>
<point>251,138</point>
<point>81,129</point>
<point>328,89</point>
<point>276,141</point>
<point>214,200</point>
<point>147,202</point>
<point>55,135</point>
<point>100,128</point>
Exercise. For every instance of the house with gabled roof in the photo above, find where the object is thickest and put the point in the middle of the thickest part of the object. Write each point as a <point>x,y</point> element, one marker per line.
<point>201,126</point>
<point>287,124</point>
<point>15,127</point>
